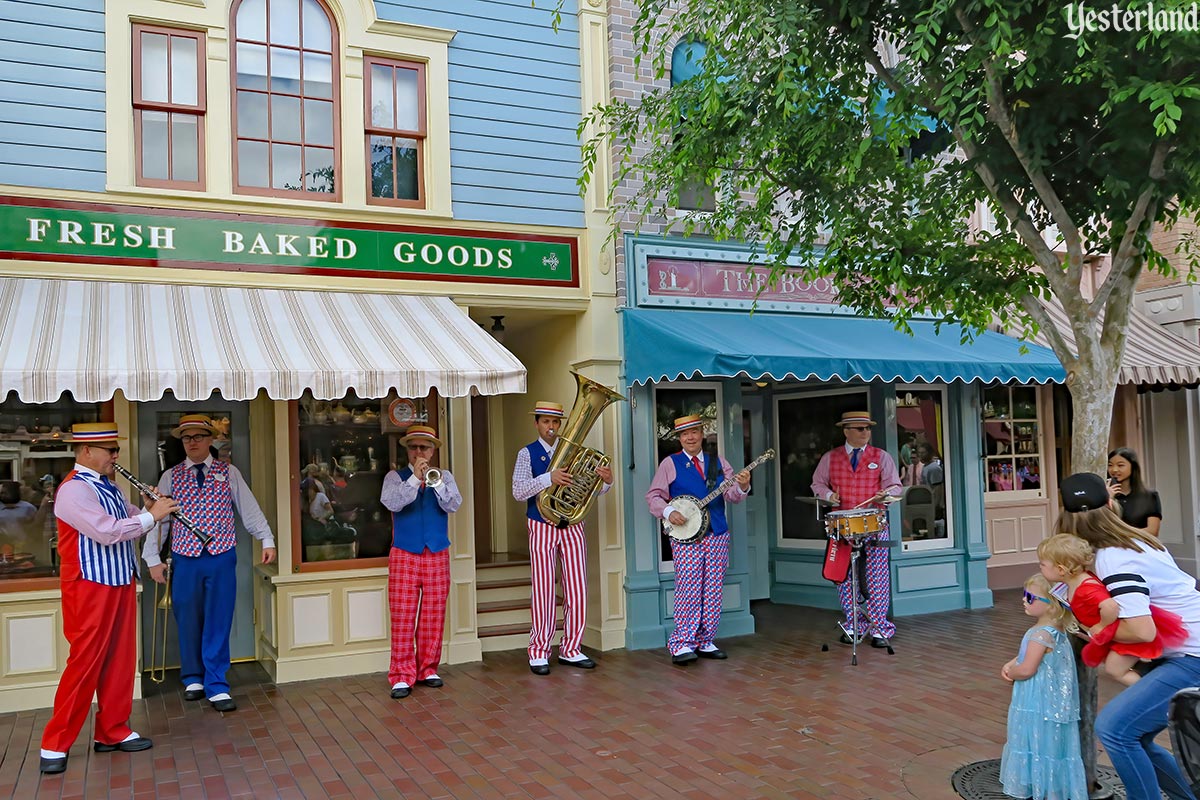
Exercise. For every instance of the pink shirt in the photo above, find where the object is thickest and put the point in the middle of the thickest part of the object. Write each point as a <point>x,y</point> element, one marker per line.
<point>889,478</point>
<point>76,504</point>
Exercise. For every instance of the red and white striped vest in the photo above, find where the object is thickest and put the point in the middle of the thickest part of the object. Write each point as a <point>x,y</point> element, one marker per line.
<point>211,508</point>
<point>86,559</point>
<point>853,487</point>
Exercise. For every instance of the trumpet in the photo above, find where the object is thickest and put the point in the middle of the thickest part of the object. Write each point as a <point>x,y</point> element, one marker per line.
<point>158,631</point>
<point>433,477</point>
<point>153,494</point>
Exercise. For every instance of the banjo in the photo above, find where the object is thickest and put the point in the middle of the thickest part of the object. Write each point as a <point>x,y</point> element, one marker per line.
<point>696,510</point>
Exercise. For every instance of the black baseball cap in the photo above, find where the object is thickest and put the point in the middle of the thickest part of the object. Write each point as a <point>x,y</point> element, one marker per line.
<point>1083,491</point>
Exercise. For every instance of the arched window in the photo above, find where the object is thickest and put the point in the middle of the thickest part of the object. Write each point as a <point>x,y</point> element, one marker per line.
<point>687,62</point>
<point>286,137</point>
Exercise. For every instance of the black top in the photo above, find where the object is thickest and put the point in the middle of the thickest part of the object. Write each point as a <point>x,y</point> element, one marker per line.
<point>1136,509</point>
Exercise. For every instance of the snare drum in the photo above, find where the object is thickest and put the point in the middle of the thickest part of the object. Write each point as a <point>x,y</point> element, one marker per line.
<point>854,522</point>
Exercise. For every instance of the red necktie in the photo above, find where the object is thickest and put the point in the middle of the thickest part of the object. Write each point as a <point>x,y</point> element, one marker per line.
<point>696,463</point>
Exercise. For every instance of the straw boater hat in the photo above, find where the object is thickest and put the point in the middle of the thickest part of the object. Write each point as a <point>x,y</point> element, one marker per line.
<point>190,423</point>
<point>544,408</point>
<point>94,433</point>
<point>855,418</point>
<point>687,423</point>
<point>421,434</point>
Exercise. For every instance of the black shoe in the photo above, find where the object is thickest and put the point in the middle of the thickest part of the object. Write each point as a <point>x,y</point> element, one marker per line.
<point>225,704</point>
<point>539,669</point>
<point>401,691</point>
<point>845,639</point>
<point>193,694</point>
<point>433,682</point>
<point>583,663</point>
<point>683,658</point>
<point>879,641</point>
<point>53,766</point>
<point>718,654</point>
<point>131,746</point>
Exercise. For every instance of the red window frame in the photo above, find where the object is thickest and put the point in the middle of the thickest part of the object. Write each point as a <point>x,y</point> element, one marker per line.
<point>198,110</point>
<point>335,89</point>
<point>418,136</point>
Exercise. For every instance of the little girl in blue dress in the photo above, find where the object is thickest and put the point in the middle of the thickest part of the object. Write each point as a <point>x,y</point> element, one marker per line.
<point>1042,759</point>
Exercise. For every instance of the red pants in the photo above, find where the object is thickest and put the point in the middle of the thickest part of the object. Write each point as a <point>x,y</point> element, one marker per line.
<point>417,590</point>
<point>100,625</point>
<point>548,544</point>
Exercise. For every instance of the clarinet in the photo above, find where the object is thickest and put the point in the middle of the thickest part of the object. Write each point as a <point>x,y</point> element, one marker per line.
<point>153,494</point>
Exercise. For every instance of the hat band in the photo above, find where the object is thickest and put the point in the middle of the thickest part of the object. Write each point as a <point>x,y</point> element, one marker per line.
<point>84,436</point>
<point>688,425</point>
<point>548,412</point>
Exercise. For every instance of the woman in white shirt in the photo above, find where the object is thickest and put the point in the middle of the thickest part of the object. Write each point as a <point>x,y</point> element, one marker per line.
<point>1138,572</point>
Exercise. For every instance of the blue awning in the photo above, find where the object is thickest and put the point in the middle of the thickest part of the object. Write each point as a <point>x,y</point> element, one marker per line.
<point>663,345</point>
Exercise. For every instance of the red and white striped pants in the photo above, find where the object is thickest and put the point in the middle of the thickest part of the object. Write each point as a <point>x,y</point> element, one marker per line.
<point>417,580</point>
<point>545,543</point>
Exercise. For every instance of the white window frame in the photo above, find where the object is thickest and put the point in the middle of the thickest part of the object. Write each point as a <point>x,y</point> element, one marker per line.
<point>947,472</point>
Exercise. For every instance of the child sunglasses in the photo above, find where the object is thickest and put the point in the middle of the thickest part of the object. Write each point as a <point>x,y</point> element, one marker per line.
<point>1030,598</point>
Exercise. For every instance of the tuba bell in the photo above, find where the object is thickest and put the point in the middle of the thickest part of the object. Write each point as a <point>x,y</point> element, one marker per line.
<point>566,505</point>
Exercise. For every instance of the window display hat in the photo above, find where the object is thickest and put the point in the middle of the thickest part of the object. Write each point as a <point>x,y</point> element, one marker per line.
<point>544,408</point>
<point>855,418</point>
<point>687,423</point>
<point>191,423</point>
<point>94,433</point>
<point>421,434</point>
<point>1083,491</point>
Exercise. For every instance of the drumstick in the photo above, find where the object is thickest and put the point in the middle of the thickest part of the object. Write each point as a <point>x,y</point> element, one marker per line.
<point>887,498</point>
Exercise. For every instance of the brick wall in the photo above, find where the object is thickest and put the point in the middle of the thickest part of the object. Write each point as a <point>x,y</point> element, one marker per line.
<point>1166,243</point>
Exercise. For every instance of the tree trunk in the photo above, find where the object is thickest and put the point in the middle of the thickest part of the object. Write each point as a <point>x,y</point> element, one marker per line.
<point>1093,388</point>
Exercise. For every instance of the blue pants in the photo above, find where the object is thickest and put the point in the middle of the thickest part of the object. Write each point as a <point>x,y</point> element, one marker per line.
<point>1128,724</point>
<point>203,593</point>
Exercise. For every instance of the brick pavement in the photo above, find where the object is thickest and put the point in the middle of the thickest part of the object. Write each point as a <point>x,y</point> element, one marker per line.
<point>779,719</point>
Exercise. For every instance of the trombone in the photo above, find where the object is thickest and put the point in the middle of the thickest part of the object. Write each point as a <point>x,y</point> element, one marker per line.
<point>158,628</point>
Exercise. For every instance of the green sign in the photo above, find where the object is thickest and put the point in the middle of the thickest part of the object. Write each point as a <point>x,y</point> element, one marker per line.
<point>100,234</point>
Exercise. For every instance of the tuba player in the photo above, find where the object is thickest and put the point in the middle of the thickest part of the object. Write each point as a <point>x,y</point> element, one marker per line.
<point>548,542</point>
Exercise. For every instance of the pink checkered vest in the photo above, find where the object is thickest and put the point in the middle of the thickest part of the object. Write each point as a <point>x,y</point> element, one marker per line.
<point>211,508</point>
<point>855,487</point>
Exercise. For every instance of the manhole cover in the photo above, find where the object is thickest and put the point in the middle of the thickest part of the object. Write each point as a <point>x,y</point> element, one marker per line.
<point>981,781</point>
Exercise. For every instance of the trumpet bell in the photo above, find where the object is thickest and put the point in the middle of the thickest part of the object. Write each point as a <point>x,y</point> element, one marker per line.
<point>433,477</point>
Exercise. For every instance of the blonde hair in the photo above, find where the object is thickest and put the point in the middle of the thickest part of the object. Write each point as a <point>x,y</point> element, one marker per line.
<point>1058,614</point>
<point>1067,551</point>
<point>1102,527</point>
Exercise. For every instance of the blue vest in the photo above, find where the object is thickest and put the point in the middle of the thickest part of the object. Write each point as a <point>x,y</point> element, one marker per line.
<point>422,523</point>
<point>688,482</point>
<point>539,462</point>
<point>109,564</point>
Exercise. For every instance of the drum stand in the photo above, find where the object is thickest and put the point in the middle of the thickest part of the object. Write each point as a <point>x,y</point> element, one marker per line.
<point>858,544</point>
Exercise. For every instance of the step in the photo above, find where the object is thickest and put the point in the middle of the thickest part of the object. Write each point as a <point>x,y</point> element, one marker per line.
<point>502,572</point>
<point>517,615</point>
<point>508,630</point>
<point>507,590</point>
<point>511,641</point>
<point>501,560</point>
<point>509,605</point>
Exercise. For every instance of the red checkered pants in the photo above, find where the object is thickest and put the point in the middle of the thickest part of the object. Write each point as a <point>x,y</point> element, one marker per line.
<point>417,588</point>
<point>546,545</point>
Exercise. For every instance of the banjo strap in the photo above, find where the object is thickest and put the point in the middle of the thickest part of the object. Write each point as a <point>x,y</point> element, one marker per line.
<point>712,472</point>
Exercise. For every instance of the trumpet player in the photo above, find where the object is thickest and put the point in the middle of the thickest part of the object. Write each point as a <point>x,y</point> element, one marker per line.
<point>548,543</point>
<point>211,493</point>
<point>96,529</point>
<point>421,500</point>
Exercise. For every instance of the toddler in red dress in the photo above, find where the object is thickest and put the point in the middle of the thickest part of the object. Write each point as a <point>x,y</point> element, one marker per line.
<point>1068,559</point>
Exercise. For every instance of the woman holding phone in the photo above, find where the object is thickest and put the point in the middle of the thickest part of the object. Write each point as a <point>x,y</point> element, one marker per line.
<point>1138,504</point>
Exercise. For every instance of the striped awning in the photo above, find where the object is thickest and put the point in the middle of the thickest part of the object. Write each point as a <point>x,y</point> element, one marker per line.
<point>1153,355</point>
<point>91,338</point>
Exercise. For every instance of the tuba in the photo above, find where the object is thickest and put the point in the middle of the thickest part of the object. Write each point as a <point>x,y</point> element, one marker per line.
<point>566,505</point>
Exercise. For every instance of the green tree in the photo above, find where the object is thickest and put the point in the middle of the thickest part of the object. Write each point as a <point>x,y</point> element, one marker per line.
<point>855,138</point>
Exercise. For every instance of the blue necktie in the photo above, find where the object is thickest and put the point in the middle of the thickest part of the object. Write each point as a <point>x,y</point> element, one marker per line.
<point>199,475</point>
<point>854,459</point>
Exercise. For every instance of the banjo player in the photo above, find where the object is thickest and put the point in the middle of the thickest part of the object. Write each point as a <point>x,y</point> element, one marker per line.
<point>699,565</point>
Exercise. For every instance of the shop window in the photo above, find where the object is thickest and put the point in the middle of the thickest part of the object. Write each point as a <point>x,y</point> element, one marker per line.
<point>924,465</point>
<point>806,430</point>
<point>670,404</point>
<point>1012,441</point>
<point>286,79</point>
<point>34,459</point>
<point>344,448</point>
<point>695,194</point>
<point>168,107</point>
<point>395,132</point>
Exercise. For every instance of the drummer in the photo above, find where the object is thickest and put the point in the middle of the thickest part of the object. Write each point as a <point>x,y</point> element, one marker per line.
<point>859,475</point>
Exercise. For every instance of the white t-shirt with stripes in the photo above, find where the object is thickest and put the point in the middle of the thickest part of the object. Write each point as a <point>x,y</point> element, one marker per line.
<point>1140,578</point>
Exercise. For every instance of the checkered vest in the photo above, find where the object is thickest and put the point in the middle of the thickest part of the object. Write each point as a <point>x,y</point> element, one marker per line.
<point>211,508</point>
<point>87,559</point>
<point>853,487</point>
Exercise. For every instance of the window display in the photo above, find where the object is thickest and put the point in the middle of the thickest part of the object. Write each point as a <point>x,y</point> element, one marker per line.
<point>1012,445</point>
<point>34,459</point>
<point>920,424</point>
<point>346,447</point>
